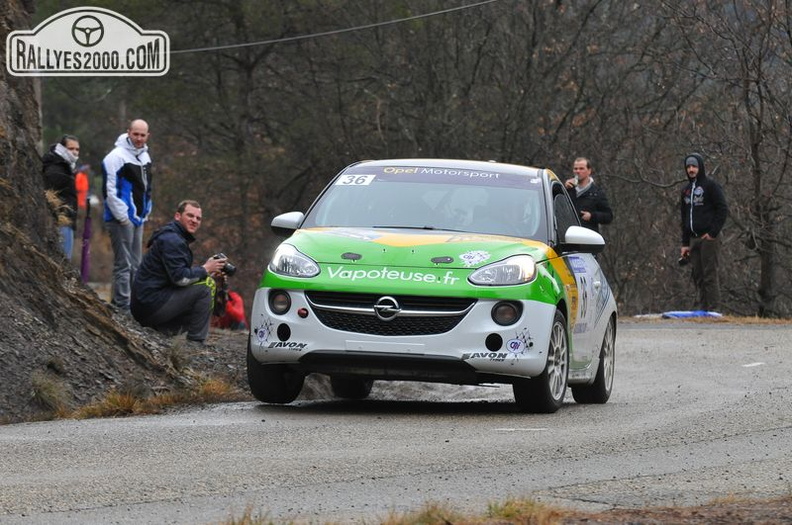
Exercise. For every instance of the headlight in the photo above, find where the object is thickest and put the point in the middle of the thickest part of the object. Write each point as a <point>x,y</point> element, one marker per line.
<point>289,261</point>
<point>519,269</point>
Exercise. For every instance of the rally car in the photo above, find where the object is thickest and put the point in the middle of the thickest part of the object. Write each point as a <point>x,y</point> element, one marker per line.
<point>436,270</point>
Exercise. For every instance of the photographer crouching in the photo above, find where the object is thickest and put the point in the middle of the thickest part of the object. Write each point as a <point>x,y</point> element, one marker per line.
<point>169,294</point>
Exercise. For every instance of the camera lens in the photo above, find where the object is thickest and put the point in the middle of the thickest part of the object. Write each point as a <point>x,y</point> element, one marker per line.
<point>229,269</point>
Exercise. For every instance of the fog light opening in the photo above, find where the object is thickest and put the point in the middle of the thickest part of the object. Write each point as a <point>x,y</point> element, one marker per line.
<point>494,342</point>
<point>279,302</point>
<point>506,313</point>
<point>284,332</point>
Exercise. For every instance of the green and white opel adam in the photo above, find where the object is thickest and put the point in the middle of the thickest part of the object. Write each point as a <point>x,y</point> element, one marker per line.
<point>436,270</point>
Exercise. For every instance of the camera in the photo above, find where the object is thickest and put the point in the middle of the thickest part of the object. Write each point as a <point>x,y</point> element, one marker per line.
<point>228,268</point>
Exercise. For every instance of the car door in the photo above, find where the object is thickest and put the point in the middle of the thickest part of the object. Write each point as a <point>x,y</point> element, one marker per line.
<point>584,268</point>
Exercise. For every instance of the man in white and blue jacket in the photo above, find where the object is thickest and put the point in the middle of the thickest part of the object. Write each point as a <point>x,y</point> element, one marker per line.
<point>126,188</point>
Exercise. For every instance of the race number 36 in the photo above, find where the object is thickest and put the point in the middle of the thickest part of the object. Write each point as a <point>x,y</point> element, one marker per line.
<point>355,180</point>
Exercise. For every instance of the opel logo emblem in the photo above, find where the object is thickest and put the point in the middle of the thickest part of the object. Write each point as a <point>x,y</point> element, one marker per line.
<point>386,308</point>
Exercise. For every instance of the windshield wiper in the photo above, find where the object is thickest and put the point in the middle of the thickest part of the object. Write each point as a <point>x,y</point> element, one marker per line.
<point>432,228</point>
<point>403,227</point>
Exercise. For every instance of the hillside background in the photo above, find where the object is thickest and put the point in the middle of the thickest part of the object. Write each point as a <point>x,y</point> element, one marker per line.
<point>258,130</point>
<point>266,100</point>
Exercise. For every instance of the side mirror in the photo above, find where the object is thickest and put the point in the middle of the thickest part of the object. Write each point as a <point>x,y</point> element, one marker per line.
<point>285,223</point>
<point>580,239</point>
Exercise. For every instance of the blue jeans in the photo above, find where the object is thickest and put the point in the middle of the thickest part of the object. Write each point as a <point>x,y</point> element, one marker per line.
<point>127,242</point>
<point>67,241</point>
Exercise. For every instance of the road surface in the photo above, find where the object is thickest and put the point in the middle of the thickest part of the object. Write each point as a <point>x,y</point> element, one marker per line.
<point>698,412</point>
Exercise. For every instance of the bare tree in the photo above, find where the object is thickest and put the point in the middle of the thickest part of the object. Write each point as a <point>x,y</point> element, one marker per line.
<point>743,57</point>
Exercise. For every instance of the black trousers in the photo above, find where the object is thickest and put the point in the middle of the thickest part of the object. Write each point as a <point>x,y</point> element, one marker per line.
<point>188,309</point>
<point>704,260</point>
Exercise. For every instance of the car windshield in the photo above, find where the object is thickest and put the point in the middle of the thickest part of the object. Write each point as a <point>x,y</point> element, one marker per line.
<point>433,198</point>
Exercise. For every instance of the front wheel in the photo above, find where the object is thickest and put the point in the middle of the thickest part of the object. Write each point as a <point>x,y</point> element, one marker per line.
<point>600,390</point>
<point>544,394</point>
<point>273,383</point>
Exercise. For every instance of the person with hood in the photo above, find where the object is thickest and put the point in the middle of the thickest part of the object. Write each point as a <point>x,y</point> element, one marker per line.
<point>169,294</point>
<point>59,164</point>
<point>126,188</point>
<point>589,199</point>
<point>703,212</point>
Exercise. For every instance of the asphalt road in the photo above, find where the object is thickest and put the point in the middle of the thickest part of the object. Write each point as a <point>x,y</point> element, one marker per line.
<point>699,412</point>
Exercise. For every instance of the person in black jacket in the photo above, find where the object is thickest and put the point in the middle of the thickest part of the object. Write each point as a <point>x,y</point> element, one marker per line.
<point>589,199</point>
<point>703,212</point>
<point>169,294</point>
<point>59,164</point>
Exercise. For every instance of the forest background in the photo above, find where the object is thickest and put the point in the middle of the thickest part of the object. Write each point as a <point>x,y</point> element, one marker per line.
<point>266,100</point>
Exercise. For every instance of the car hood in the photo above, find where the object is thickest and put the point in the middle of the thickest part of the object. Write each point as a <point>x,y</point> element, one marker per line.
<point>411,248</point>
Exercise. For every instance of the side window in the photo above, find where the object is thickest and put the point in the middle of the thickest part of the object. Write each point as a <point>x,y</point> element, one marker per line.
<point>564,212</point>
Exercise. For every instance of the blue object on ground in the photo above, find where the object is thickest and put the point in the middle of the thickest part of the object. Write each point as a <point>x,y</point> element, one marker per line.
<point>682,314</point>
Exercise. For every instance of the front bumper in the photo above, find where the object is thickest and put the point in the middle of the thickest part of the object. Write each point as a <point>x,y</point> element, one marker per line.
<point>472,349</point>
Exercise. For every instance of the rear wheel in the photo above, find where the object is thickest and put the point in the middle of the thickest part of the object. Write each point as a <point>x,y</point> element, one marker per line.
<point>273,383</point>
<point>544,394</point>
<point>600,390</point>
<point>351,387</point>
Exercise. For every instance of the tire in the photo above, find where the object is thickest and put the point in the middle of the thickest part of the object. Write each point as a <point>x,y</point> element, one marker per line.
<point>600,390</point>
<point>350,387</point>
<point>544,394</point>
<point>273,383</point>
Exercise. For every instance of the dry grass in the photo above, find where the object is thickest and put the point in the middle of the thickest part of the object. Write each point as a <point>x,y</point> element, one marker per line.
<point>726,319</point>
<point>50,392</point>
<point>178,355</point>
<point>512,511</point>
<point>118,403</point>
<point>249,519</point>
<point>528,512</point>
<point>524,511</point>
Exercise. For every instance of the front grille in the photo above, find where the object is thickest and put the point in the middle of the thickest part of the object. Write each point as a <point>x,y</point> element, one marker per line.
<point>351,312</point>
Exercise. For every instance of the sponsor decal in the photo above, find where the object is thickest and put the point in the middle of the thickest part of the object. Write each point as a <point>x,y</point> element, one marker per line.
<point>87,41</point>
<point>577,264</point>
<point>491,356</point>
<point>443,171</point>
<point>355,180</point>
<point>355,234</point>
<point>263,331</point>
<point>288,344</point>
<point>516,346</point>
<point>474,257</point>
<point>388,274</point>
